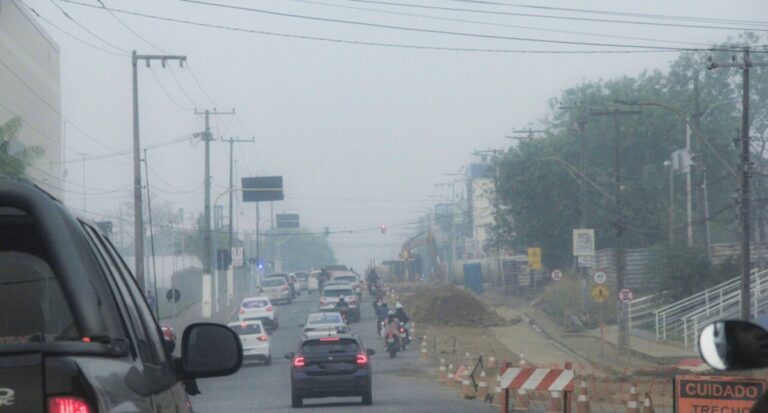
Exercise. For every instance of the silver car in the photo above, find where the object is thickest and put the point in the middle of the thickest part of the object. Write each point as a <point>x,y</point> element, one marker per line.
<point>276,289</point>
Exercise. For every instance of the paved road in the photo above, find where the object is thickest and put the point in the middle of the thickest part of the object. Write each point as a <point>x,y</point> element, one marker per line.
<point>399,385</point>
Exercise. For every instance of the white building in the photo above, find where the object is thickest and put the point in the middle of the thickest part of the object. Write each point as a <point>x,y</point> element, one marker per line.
<point>30,88</point>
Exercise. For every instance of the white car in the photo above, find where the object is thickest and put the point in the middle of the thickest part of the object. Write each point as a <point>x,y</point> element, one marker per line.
<point>330,297</point>
<point>348,277</point>
<point>261,309</point>
<point>276,289</point>
<point>254,339</point>
<point>324,324</point>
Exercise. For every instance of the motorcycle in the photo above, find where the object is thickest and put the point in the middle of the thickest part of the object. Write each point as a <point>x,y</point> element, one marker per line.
<point>406,335</point>
<point>344,311</point>
<point>393,345</point>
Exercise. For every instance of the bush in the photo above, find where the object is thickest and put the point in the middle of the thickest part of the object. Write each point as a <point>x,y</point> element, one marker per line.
<point>562,300</point>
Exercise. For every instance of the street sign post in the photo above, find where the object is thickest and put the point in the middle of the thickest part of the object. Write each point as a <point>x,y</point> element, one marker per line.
<point>600,294</point>
<point>287,221</point>
<point>626,295</point>
<point>600,277</point>
<point>583,242</point>
<point>237,257</point>
<point>586,261</point>
<point>557,275</point>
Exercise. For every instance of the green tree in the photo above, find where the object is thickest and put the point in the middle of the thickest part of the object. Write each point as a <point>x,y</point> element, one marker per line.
<point>13,165</point>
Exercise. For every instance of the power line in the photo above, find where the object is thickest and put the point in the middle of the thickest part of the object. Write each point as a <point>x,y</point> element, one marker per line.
<point>487,23</point>
<point>423,30</point>
<point>135,33</point>
<point>165,91</point>
<point>380,44</point>
<point>547,16</point>
<point>616,13</point>
<point>87,30</point>
<point>176,79</point>
<point>85,42</point>
<point>189,67</point>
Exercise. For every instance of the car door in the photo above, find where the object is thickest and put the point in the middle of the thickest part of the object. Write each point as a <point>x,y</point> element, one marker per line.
<point>155,362</point>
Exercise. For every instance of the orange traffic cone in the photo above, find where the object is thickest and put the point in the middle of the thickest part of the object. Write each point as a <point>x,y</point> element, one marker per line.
<point>460,381</point>
<point>491,364</point>
<point>582,402</point>
<point>496,397</point>
<point>647,405</point>
<point>555,403</point>
<point>449,379</point>
<point>482,386</point>
<point>442,373</point>
<point>522,401</point>
<point>424,354</point>
<point>466,389</point>
<point>632,405</point>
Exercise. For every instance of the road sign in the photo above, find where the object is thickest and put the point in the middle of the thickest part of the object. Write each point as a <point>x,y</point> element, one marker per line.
<point>262,188</point>
<point>173,295</point>
<point>599,293</point>
<point>626,295</point>
<point>534,258</point>
<point>599,277</point>
<point>557,275</point>
<point>287,220</point>
<point>695,393</point>
<point>237,257</point>
<point>583,242</point>
<point>587,261</point>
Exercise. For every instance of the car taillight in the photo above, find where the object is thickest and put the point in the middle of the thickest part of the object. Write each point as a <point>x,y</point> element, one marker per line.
<point>298,361</point>
<point>285,287</point>
<point>263,338</point>
<point>362,359</point>
<point>67,404</point>
<point>242,310</point>
<point>402,330</point>
<point>269,309</point>
<point>353,300</point>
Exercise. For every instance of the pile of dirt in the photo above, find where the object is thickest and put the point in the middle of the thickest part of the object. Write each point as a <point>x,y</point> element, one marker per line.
<point>451,306</point>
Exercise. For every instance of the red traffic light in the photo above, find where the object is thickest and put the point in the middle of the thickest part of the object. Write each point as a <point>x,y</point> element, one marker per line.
<point>383,228</point>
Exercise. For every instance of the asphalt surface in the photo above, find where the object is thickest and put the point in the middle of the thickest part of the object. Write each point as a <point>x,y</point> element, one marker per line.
<point>399,385</point>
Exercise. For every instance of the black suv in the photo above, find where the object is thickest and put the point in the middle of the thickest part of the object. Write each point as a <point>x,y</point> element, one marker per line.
<point>336,366</point>
<point>76,333</point>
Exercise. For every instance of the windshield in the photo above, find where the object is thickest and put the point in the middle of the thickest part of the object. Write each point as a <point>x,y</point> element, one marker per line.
<point>537,181</point>
<point>337,293</point>
<point>329,346</point>
<point>325,319</point>
<point>244,329</point>
<point>273,282</point>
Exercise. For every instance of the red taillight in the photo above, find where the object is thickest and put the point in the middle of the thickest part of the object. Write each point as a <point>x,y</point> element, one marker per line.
<point>362,359</point>
<point>402,330</point>
<point>263,338</point>
<point>285,287</point>
<point>269,309</point>
<point>242,310</point>
<point>329,339</point>
<point>67,404</point>
<point>298,361</point>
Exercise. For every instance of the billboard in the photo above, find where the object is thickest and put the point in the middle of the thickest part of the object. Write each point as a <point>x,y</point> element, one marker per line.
<point>262,188</point>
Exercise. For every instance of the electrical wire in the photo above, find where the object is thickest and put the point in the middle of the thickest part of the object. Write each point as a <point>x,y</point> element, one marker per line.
<point>487,23</point>
<point>135,33</point>
<point>423,30</point>
<point>184,91</point>
<point>165,91</point>
<point>379,44</point>
<point>72,36</point>
<point>87,30</point>
<point>125,152</point>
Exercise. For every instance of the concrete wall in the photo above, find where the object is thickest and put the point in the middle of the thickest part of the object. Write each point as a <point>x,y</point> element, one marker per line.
<point>30,87</point>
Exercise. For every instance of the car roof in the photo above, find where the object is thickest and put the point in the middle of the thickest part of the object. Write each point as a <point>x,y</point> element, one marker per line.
<point>248,322</point>
<point>323,314</point>
<point>257,298</point>
<point>339,286</point>
<point>274,278</point>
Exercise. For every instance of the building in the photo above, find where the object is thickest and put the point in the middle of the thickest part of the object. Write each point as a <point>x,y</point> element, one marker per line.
<point>480,188</point>
<point>30,87</point>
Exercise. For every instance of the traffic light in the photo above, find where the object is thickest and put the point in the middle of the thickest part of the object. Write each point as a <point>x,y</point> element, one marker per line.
<point>383,228</point>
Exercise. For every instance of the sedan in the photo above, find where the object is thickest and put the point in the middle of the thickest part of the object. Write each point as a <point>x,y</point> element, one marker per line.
<point>255,340</point>
<point>324,324</point>
<point>259,308</point>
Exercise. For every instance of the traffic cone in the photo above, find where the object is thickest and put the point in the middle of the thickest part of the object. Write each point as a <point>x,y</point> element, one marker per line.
<point>491,364</point>
<point>522,362</point>
<point>424,355</point>
<point>449,379</point>
<point>466,389</point>
<point>647,405</point>
<point>555,402</point>
<point>582,402</point>
<point>632,404</point>
<point>460,381</point>
<point>442,373</point>
<point>482,386</point>
<point>522,401</point>
<point>496,397</point>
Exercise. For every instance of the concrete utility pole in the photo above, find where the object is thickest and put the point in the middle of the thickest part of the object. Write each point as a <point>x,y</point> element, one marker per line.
<point>745,170</point>
<point>232,142</point>
<point>619,220</point>
<point>138,218</point>
<point>209,261</point>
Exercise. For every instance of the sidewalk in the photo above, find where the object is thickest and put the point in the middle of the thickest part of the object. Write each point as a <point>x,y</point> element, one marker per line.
<point>650,349</point>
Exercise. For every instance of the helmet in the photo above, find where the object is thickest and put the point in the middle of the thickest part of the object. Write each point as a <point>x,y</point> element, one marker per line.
<point>391,312</point>
<point>398,305</point>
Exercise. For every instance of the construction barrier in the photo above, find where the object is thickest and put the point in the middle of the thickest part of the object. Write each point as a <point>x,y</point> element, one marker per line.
<point>647,404</point>
<point>536,379</point>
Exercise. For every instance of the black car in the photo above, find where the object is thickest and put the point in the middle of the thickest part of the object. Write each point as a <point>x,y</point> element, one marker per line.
<point>337,366</point>
<point>76,333</point>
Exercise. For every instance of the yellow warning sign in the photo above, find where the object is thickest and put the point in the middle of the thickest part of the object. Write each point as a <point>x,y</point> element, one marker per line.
<point>599,293</point>
<point>534,258</point>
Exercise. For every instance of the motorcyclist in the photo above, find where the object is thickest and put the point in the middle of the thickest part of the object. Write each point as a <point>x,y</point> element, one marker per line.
<point>392,326</point>
<point>400,314</point>
<point>381,315</point>
<point>342,307</point>
<point>373,281</point>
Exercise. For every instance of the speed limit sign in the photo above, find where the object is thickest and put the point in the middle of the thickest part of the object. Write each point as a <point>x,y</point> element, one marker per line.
<point>557,275</point>
<point>599,277</point>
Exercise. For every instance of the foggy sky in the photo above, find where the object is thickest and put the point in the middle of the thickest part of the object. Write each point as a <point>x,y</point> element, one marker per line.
<point>361,134</point>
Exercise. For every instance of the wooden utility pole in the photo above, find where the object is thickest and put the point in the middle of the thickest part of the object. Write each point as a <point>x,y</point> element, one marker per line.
<point>619,224</point>
<point>745,169</point>
<point>138,218</point>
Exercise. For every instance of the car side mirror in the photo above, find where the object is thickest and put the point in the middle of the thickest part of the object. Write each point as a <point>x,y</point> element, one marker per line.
<point>289,355</point>
<point>370,351</point>
<point>210,350</point>
<point>734,345</point>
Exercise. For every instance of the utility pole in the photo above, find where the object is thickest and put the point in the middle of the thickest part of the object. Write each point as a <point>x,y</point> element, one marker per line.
<point>138,219</point>
<point>619,220</point>
<point>745,169</point>
<point>232,142</point>
<point>151,236</point>
<point>702,198</point>
<point>688,183</point>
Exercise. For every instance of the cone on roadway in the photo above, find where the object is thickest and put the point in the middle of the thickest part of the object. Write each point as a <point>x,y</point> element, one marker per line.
<point>582,401</point>
<point>442,373</point>
<point>449,377</point>
<point>424,354</point>
<point>482,385</point>
<point>466,389</point>
<point>632,405</point>
<point>647,404</point>
<point>491,364</point>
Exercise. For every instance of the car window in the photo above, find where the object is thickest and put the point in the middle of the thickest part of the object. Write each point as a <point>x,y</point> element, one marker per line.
<point>255,304</point>
<point>346,278</point>
<point>244,329</point>
<point>273,282</point>
<point>329,346</point>
<point>329,319</point>
<point>337,293</point>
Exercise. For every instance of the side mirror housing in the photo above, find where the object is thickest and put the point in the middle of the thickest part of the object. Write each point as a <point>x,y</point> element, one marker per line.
<point>370,351</point>
<point>209,350</point>
<point>289,355</point>
<point>734,345</point>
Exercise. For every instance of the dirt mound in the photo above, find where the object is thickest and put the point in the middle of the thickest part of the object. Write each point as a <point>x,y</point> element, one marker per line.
<point>448,305</point>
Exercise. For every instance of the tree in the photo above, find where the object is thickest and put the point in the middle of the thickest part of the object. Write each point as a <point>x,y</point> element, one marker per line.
<point>14,165</point>
<point>298,250</point>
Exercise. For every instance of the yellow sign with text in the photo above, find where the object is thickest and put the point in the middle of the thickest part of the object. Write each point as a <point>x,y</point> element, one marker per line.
<point>534,258</point>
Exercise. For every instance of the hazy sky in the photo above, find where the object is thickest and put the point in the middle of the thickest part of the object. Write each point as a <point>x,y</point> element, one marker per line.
<point>360,133</point>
